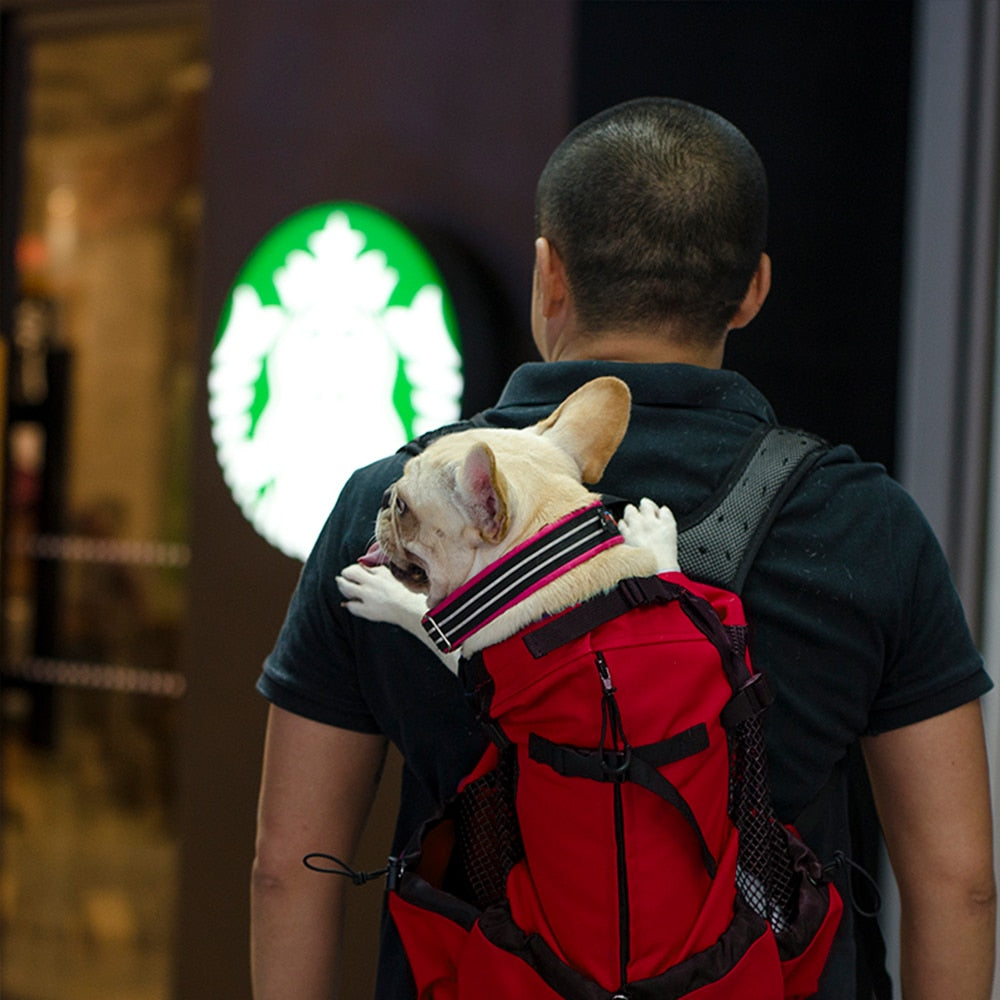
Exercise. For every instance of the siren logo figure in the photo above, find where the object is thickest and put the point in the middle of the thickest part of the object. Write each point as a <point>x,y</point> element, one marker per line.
<point>338,345</point>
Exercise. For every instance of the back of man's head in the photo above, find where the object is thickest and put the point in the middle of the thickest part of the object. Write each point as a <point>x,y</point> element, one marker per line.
<point>658,209</point>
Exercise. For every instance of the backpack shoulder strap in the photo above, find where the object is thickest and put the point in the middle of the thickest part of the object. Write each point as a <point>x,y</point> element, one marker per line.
<point>717,543</point>
<point>417,445</point>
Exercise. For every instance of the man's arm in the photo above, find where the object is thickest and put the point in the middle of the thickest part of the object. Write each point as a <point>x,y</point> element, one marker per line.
<point>932,792</point>
<point>317,787</point>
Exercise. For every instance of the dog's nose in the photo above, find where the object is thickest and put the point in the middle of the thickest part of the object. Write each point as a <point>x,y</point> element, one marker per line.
<point>386,498</point>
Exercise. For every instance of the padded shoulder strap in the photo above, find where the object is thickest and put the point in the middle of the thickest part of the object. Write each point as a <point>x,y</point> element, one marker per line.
<point>417,445</point>
<point>718,542</point>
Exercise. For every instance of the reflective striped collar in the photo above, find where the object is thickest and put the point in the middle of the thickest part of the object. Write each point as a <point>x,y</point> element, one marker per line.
<point>554,550</point>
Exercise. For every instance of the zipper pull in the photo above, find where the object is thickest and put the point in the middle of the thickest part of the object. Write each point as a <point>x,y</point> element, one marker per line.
<point>605,674</point>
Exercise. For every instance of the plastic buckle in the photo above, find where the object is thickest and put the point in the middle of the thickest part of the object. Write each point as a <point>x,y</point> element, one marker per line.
<point>608,522</point>
<point>617,772</point>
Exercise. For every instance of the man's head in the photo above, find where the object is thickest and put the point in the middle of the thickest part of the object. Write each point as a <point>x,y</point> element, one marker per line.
<point>657,210</point>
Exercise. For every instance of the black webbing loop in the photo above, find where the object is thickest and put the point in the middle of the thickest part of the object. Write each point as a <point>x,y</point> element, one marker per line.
<point>479,688</point>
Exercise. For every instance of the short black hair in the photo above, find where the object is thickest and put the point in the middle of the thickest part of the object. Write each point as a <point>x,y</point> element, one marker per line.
<point>658,209</point>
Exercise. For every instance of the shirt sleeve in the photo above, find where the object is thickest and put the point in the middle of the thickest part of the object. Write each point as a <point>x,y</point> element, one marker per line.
<point>313,669</point>
<point>856,623</point>
<point>932,663</point>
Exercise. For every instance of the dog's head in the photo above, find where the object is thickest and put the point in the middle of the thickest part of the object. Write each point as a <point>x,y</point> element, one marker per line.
<point>473,495</point>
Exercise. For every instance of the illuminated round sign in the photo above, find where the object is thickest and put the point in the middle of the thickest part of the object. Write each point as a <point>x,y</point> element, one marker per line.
<point>337,344</point>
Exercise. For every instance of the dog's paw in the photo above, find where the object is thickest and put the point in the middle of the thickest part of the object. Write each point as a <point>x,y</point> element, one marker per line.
<point>651,527</point>
<point>373,593</point>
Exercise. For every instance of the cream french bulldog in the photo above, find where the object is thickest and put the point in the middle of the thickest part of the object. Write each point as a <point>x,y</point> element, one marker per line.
<point>472,496</point>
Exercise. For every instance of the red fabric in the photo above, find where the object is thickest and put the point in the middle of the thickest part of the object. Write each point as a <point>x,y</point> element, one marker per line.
<point>490,973</point>
<point>756,977</point>
<point>802,973</point>
<point>668,678</point>
<point>434,946</point>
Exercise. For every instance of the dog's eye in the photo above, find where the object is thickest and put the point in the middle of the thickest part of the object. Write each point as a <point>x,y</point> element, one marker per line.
<point>401,507</point>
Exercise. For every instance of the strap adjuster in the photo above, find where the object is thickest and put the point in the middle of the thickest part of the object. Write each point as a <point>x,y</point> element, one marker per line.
<point>752,699</point>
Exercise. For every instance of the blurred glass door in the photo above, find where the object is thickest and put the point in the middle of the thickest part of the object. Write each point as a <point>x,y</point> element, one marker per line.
<point>101,346</point>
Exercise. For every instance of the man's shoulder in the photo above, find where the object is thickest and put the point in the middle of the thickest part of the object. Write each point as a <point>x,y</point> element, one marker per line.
<point>842,476</point>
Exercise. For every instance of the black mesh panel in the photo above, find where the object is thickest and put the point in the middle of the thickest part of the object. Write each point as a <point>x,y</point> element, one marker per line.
<point>487,835</point>
<point>765,876</point>
<point>713,547</point>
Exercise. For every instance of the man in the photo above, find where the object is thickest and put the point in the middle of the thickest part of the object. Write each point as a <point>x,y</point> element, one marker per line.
<point>651,222</point>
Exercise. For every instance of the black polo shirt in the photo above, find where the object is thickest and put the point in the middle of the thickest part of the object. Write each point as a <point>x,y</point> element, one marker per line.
<point>856,621</point>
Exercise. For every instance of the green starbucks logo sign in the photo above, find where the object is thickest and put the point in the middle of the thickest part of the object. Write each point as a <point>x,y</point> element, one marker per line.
<point>337,344</point>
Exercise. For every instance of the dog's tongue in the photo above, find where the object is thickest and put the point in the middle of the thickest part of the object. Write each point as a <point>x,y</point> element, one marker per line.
<point>374,556</point>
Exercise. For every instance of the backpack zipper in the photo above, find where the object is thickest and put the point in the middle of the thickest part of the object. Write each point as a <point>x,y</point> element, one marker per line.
<point>624,928</point>
<point>611,721</point>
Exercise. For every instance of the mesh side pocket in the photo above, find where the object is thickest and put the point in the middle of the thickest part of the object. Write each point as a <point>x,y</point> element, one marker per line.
<point>487,835</point>
<point>765,873</point>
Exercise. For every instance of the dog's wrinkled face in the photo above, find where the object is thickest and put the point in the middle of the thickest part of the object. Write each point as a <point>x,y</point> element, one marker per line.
<point>473,495</point>
<point>424,528</point>
<point>453,510</point>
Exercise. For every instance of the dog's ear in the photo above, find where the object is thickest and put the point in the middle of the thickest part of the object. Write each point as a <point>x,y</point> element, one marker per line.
<point>590,424</point>
<point>484,494</point>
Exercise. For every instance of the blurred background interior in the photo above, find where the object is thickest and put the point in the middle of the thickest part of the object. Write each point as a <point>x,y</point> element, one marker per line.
<point>102,351</point>
<point>147,146</point>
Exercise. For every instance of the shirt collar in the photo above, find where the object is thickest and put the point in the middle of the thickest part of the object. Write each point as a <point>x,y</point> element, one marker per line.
<point>686,386</point>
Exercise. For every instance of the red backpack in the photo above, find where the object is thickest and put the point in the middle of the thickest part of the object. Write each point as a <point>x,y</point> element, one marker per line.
<point>617,840</point>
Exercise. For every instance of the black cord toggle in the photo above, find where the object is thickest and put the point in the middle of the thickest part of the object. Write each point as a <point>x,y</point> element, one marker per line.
<point>840,860</point>
<point>338,867</point>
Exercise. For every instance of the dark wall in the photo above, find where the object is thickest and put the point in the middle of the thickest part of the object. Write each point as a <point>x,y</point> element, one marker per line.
<point>822,91</point>
<point>442,114</point>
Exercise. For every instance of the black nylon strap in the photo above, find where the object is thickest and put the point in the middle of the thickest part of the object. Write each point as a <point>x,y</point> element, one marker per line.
<point>598,765</point>
<point>649,778</point>
<point>752,699</point>
<point>599,610</point>
<point>681,745</point>
<point>634,764</point>
<point>633,593</point>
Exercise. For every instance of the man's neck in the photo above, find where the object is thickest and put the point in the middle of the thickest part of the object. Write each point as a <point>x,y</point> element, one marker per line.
<point>638,348</point>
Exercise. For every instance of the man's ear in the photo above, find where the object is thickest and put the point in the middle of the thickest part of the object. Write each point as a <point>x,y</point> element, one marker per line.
<point>590,424</point>
<point>551,301</point>
<point>551,276</point>
<point>760,285</point>
<point>484,495</point>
